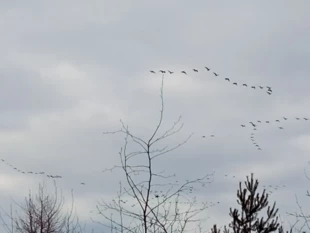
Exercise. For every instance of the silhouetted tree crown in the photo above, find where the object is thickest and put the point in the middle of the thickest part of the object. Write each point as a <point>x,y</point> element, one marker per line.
<point>252,203</point>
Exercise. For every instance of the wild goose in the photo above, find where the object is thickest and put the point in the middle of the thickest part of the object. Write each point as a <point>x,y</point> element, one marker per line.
<point>252,124</point>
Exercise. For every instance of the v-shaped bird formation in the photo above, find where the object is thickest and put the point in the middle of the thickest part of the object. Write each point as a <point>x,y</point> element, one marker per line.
<point>280,127</point>
<point>268,89</point>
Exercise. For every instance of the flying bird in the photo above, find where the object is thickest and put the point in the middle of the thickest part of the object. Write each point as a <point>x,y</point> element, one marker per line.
<point>277,121</point>
<point>203,136</point>
<point>297,118</point>
<point>152,71</point>
<point>259,121</point>
<point>269,93</point>
<point>252,124</point>
<point>284,118</point>
<point>261,87</point>
<point>227,79</point>
<point>162,71</point>
<point>234,83</point>
<point>267,121</point>
<point>82,183</point>
<point>183,72</point>
<point>212,135</point>
<point>215,74</point>
<point>244,85</point>
<point>195,70</point>
<point>170,72</point>
<point>253,87</point>
<point>280,127</point>
<point>242,125</point>
<point>207,68</point>
<point>306,119</point>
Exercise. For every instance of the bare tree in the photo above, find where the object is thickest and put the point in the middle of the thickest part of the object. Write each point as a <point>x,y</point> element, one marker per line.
<point>301,215</point>
<point>43,213</point>
<point>251,205</point>
<point>151,201</point>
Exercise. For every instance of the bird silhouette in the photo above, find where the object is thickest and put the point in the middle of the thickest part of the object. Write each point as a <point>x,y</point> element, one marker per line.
<point>252,124</point>
<point>244,85</point>
<point>242,125</point>
<point>170,72</point>
<point>207,68</point>
<point>152,71</point>
<point>297,118</point>
<point>82,183</point>
<point>269,93</point>
<point>277,121</point>
<point>195,70</point>
<point>203,136</point>
<point>215,74</point>
<point>259,121</point>
<point>284,118</point>
<point>253,87</point>
<point>162,71</point>
<point>227,79</point>
<point>267,121</point>
<point>306,119</point>
<point>235,84</point>
<point>261,87</point>
<point>280,127</point>
<point>183,72</point>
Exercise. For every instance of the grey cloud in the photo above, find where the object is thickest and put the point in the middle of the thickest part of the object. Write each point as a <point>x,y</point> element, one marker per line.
<point>58,128</point>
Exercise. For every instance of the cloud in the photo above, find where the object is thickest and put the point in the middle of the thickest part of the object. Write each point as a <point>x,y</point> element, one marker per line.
<point>71,70</point>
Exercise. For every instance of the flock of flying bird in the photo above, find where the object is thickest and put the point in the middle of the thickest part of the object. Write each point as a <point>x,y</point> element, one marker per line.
<point>254,125</point>
<point>33,173</point>
<point>252,135</point>
<point>269,92</point>
<point>269,89</point>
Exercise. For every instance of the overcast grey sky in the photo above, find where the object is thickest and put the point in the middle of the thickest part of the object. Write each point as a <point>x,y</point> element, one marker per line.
<point>69,70</point>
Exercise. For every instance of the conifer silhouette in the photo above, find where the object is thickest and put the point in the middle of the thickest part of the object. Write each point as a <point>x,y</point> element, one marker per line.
<point>252,203</point>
